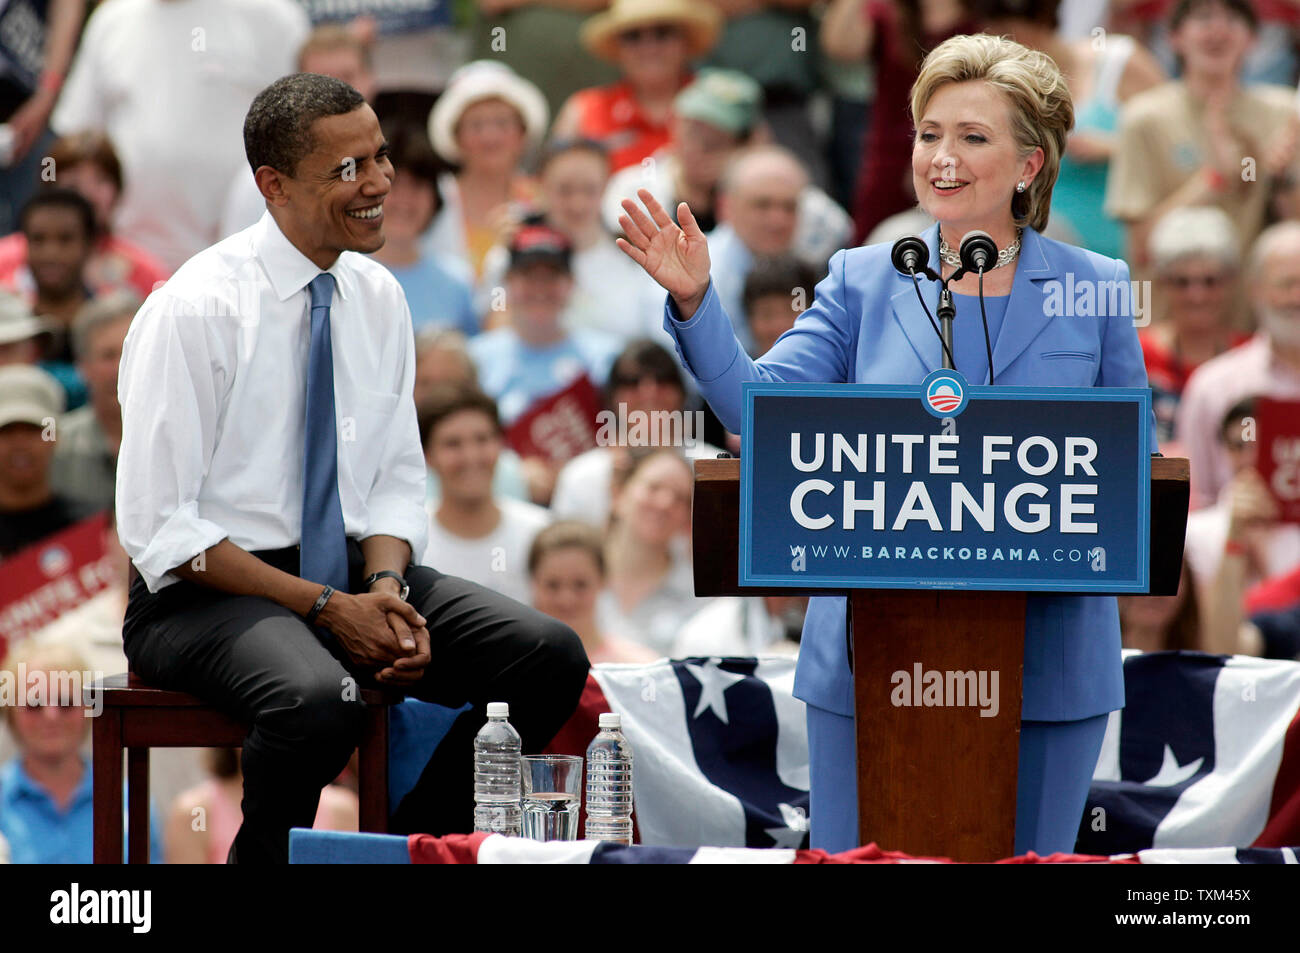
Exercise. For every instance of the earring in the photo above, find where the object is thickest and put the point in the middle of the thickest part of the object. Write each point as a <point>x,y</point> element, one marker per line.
<point>1020,186</point>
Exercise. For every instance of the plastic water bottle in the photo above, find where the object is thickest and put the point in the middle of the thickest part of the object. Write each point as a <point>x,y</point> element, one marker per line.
<point>609,784</point>
<point>496,774</point>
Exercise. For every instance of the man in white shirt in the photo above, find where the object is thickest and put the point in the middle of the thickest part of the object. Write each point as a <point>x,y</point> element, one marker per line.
<point>169,82</point>
<point>271,467</point>
<point>331,50</point>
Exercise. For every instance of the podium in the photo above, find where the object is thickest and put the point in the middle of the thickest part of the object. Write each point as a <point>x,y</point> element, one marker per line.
<point>932,781</point>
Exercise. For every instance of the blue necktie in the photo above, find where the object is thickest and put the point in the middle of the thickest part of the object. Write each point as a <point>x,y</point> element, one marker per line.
<point>324,553</point>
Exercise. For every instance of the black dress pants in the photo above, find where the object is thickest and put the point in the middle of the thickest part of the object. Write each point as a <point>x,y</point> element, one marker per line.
<point>263,664</point>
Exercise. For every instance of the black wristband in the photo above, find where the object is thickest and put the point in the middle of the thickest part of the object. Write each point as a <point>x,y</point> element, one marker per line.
<point>389,574</point>
<point>323,598</point>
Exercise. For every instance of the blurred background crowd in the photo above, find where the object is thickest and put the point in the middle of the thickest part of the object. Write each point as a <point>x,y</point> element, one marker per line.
<point>516,127</point>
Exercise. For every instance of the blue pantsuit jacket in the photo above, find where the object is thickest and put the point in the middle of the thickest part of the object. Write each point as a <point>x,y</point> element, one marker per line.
<point>866,325</point>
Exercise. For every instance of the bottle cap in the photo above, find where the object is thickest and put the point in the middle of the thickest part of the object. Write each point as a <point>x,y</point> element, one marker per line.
<point>498,708</point>
<point>610,719</point>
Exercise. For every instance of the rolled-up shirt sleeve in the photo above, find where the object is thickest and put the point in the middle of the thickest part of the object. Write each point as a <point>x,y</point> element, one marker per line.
<point>169,384</point>
<point>395,506</point>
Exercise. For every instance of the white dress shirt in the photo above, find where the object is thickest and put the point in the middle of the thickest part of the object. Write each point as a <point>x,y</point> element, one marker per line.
<point>213,391</point>
<point>169,82</point>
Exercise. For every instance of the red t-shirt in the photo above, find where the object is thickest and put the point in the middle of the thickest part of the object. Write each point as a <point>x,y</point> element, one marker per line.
<point>1167,373</point>
<point>612,116</point>
<point>115,264</point>
<point>1268,11</point>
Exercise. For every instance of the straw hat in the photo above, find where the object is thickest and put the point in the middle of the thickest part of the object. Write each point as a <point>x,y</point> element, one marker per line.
<point>700,21</point>
<point>485,79</point>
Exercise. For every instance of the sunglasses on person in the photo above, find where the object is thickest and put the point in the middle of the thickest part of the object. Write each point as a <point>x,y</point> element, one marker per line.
<point>659,34</point>
<point>1184,282</point>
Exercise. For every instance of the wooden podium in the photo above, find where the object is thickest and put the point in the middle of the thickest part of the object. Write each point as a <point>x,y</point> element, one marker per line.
<point>932,781</point>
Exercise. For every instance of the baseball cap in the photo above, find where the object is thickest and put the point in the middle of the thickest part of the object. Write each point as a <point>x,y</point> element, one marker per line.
<point>17,323</point>
<point>540,243</point>
<point>726,99</point>
<point>28,395</point>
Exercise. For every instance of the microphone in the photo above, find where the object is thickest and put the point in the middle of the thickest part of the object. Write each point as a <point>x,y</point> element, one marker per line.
<point>978,251</point>
<point>910,255</point>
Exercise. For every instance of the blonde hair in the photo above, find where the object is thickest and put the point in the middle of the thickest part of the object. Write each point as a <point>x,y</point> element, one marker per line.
<point>1042,111</point>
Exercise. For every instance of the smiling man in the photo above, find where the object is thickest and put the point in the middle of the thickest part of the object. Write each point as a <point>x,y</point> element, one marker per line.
<point>271,486</point>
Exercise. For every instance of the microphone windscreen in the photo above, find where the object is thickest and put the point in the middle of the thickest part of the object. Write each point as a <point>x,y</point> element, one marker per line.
<point>978,251</point>
<point>910,254</point>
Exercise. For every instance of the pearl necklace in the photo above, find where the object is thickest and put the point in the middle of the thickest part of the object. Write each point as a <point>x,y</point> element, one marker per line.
<point>1005,255</point>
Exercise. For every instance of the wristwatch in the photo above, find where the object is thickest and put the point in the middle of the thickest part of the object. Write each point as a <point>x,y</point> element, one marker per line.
<point>388,573</point>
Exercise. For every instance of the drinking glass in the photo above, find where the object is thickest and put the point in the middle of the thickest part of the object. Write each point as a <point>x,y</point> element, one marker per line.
<point>552,796</point>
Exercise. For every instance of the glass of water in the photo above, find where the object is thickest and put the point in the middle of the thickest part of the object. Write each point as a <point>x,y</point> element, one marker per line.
<point>552,796</point>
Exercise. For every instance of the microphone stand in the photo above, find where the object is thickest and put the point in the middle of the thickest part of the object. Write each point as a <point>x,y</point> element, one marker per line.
<point>946,312</point>
<point>911,256</point>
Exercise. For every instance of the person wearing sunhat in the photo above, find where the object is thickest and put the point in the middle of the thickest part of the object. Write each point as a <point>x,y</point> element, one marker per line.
<point>485,123</point>
<point>21,332</point>
<point>553,56</point>
<point>653,43</point>
<point>30,402</point>
<point>26,338</point>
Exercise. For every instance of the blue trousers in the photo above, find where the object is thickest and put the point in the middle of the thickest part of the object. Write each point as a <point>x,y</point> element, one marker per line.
<point>1057,759</point>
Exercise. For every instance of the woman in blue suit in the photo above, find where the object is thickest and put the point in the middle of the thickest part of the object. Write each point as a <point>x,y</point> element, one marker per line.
<point>991,121</point>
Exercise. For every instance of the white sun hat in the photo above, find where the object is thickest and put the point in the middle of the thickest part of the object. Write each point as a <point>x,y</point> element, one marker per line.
<point>474,82</point>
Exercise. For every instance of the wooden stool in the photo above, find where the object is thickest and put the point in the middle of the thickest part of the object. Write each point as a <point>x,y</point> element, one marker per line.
<point>137,717</point>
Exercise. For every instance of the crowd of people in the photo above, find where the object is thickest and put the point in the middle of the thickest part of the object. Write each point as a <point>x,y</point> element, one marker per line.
<point>783,125</point>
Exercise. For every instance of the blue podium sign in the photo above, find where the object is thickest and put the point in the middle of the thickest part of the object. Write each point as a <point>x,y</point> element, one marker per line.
<point>945,485</point>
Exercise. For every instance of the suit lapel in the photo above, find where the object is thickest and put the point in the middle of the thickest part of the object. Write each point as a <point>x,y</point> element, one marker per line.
<point>1025,319</point>
<point>1026,315</point>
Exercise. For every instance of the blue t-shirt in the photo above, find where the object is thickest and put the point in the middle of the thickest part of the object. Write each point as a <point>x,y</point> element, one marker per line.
<point>1080,189</point>
<point>39,832</point>
<point>517,375</point>
<point>968,349</point>
<point>436,297</point>
<point>75,393</point>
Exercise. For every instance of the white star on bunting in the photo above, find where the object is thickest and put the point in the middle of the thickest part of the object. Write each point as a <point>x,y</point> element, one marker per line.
<point>713,683</point>
<point>796,826</point>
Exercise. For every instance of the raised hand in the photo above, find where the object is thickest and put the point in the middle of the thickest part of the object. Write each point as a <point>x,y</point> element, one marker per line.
<point>677,258</point>
<point>1252,508</point>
